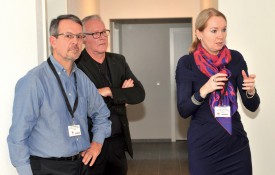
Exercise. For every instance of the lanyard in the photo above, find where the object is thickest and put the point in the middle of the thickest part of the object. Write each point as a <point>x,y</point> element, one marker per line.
<point>63,91</point>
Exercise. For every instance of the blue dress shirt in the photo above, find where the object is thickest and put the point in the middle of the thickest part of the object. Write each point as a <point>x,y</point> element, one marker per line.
<point>41,118</point>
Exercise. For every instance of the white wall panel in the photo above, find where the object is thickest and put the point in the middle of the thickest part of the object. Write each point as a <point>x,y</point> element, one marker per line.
<point>19,53</point>
<point>251,29</point>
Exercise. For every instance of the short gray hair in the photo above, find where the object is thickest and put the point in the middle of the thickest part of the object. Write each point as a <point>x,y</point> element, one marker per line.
<point>88,18</point>
<point>54,26</point>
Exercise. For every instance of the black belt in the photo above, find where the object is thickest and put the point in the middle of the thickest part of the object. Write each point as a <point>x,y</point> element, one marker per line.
<point>71,158</point>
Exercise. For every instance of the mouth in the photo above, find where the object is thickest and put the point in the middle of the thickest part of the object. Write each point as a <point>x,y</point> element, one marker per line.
<point>220,43</point>
<point>103,43</point>
<point>75,50</point>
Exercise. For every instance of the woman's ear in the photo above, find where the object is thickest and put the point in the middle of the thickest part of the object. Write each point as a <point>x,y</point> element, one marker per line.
<point>198,34</point>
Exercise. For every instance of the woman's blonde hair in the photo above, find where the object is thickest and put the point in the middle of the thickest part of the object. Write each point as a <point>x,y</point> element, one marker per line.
<point>200,24</point>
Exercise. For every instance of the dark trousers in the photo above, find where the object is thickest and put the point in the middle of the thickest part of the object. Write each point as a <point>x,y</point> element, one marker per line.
<point>111,161</point>
<point>42,166</point>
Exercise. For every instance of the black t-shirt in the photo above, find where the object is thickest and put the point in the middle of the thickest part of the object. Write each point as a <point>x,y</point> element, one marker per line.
<point>106,79</point>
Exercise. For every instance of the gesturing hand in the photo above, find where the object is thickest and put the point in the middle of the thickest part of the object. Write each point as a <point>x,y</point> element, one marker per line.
<point>215,82</point>
<point>249,83</point>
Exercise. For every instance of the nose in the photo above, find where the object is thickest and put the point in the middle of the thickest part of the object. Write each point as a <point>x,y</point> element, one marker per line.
<point>222,34</point>
<point>101,36</point>
<point>76,40</point>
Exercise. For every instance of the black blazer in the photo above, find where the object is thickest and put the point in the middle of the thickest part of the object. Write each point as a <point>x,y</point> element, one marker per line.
<point>119,71</point>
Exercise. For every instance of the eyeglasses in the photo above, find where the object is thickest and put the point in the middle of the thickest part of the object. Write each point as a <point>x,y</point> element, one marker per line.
<point>96,35</point>
<point>70,36</point>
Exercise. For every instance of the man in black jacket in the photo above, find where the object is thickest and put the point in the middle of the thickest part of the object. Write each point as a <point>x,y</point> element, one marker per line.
<point>118,85</point>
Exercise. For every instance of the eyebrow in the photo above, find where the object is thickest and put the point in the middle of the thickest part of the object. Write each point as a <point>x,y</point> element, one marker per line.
<point>217,27</point>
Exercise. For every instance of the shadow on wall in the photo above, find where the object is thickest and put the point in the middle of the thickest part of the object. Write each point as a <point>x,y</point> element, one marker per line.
<point>252,115</point>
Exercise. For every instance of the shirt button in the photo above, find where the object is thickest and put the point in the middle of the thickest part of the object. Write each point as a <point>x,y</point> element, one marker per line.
<point>70,94</point>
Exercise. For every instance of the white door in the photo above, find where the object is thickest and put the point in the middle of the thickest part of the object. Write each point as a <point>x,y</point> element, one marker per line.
<point>152,51</point>
<point>180,40</point>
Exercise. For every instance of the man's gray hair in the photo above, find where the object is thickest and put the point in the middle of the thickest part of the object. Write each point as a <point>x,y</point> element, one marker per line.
<point>88,18</point>
<point>55,23</point>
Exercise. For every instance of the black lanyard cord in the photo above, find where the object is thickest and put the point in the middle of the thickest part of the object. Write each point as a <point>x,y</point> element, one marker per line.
<point>63,91</point>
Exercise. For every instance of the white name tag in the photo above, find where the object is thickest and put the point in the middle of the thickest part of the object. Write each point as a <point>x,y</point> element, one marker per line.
<point>74,130</point>
<point>222,111</point>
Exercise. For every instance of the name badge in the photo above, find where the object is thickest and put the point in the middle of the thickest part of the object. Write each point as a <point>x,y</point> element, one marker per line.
<point>222,111</point>
<point>74,130</point>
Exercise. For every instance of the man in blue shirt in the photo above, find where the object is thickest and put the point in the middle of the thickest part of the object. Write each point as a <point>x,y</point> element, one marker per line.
<point>49,131</point>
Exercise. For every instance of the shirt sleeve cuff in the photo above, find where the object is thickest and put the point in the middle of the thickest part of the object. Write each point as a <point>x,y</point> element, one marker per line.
<point>198,97</point>
<point>100,134</point>
<point>99,138</point>
<point>24,170</point>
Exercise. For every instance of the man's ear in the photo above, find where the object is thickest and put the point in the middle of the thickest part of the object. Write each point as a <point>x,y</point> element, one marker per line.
<point>53,41</point>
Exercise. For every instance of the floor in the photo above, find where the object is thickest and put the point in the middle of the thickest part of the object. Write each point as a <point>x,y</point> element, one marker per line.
<point>159,158</point>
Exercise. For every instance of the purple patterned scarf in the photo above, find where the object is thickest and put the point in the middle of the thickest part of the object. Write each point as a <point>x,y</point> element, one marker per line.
<point>210,65</point>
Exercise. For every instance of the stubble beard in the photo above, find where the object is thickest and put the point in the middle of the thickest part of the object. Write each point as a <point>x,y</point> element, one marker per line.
<point>73,53</point>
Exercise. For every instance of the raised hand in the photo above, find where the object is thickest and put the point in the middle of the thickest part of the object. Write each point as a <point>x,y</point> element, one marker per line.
<point>249,83</point>
<point>215,82</point>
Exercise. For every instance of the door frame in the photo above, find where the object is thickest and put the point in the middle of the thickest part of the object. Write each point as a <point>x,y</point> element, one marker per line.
<point>115,25</point>
<point>175,117</point>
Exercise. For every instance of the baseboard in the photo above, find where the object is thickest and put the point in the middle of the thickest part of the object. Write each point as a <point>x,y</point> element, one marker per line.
<point>150,140</point>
